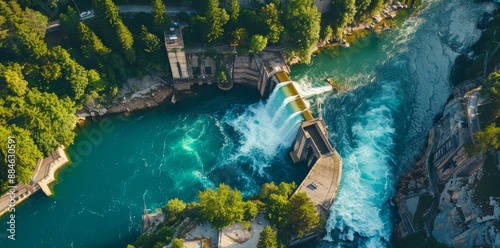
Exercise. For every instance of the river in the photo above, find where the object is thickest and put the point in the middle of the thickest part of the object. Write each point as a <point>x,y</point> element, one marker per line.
<point>393,86</point>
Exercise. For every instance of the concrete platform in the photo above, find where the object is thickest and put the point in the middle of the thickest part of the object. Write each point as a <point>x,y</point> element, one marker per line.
<point>322,182</point>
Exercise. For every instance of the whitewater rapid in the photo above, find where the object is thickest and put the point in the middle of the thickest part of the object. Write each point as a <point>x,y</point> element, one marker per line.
<point>380,127</point>
<point>267,128</point>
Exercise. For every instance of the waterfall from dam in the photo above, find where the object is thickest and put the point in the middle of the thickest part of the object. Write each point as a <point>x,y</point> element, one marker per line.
<point>271,125</point>
<point>393,85</point>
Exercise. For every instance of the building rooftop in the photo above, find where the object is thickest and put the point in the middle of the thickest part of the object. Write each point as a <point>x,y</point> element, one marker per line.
<point>323,147</point>
<point>173,39</point>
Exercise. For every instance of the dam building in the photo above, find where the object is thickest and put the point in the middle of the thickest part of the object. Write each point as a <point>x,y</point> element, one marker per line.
<point>269,74</point>
<point>198,66</point>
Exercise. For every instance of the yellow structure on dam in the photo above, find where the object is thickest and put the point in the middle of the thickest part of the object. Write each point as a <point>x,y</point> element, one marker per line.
<point>297,105</point>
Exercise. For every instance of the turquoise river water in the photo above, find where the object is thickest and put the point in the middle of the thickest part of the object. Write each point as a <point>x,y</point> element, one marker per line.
<point>394,84</point>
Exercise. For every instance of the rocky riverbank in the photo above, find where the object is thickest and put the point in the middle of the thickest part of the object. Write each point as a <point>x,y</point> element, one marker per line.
<point>437,198</point>
<point>450,197</point>
<point>136,94</point>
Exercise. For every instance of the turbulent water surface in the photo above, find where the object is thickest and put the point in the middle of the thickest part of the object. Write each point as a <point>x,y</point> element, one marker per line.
<point>393,86</point>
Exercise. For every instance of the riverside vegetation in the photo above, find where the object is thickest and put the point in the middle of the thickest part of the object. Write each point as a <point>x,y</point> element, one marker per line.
<point>42,85</point>
<point>44,80</point>
<point>291,215</point>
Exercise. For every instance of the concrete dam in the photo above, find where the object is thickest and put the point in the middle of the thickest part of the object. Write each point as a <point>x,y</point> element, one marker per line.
<point>284,108</point>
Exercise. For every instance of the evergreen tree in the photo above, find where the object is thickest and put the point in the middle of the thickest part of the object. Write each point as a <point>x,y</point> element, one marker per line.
<point>160,19</point>
<point>267,238</point>
<point>235,11</point>
<point>375,7</point>
<point>92,46</point>
<point>344,10</point>
<point>362,7</point>
<point>22,35</point>
<point>150,42</point>
<point>216,18</point>
<point>72,72</point>
<point>327,33</point>
<point>49,119</point>
<point>116,32</point>
<point>14,79</point>
<point>69,21</point>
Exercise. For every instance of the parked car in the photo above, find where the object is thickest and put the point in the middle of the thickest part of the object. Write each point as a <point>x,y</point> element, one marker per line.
<point>85,14</point>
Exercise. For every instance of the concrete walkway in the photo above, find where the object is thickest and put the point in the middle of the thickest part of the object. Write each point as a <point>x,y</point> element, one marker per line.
<point>44,175</point>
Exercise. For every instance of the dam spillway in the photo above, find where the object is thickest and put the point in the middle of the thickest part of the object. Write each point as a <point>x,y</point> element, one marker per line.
<point>310,146</point>
<point>289,90</point>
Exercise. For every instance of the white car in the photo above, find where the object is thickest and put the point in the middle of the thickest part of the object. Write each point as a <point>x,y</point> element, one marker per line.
<point>85,14</point>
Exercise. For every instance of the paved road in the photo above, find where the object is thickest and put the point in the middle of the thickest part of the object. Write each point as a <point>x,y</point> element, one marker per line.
<point>170,10</point>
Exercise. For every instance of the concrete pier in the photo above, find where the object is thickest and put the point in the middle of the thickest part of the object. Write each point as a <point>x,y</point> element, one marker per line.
<point>42,177</point>
<point>322,182</point>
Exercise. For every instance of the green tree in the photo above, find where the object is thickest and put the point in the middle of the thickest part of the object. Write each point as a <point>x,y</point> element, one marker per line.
<point>150,42</point>
<point>50,71</point>
<point>304,216</point>
<point>375,7</point>
<point>235,11</point>
<point>27,153</point>
<point>23,30</point>
<point>251,210</point>
<point>285,189</point>
<point>160,19</point>
<point>362,7</point>
<point>72,72</point>
<point>239,37</point>
<point>327,33</point>
<point>258,43</point>
<point>488,138</point>
<point>492,83</point>
<point>159,245</point>
<point>302,21</point>
<point>269,14</point>
<point>49,118</point>
<point>344,10</point>
<point>173,208</point>
<point>267,238</point>
<point>177,243</point>
<point>278,211</point>
<point>112,25</point>
<point>222,207</point>
<point>92,46</point>
<point>14,78</point>
<point>216,19</point>
<point>69,21</point>
<point>221,74</point>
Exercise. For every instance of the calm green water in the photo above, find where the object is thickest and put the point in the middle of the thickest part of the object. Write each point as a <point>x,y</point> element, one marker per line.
<point>394,84</point>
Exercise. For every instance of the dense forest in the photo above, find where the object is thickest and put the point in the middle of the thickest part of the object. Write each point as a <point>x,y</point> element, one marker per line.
<point>42,83</point>
<point>44,79</point>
